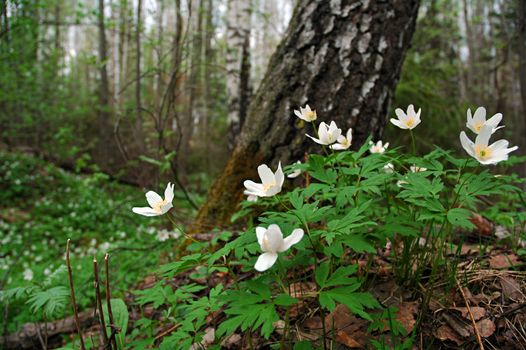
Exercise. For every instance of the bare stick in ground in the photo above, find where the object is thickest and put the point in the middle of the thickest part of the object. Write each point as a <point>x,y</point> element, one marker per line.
<point>108,302</point>
<point>475,329</point>
<point>99,304</point>
<point>73,300</point>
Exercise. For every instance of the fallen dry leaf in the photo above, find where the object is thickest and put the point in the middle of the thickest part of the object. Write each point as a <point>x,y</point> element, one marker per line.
<point>484,226</point>
<point>406,314</point>
<point>478,312</point>
<point>511,288</point>
<point>349,329</point>
<point>486,327</point>
<point>503,261</point>
<point>445,332</point>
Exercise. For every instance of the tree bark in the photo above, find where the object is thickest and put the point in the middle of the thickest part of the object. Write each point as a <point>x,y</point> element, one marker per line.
<point>341,57</point>
<point>104,93</point>
<point>522,74</point>
<point>138,102</point>
<point>237,64</point>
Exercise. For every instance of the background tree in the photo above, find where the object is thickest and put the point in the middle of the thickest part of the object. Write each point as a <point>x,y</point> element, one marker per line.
<point>344,59</point>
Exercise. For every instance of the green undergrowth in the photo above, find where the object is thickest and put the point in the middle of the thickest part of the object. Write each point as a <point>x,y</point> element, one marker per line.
<point>41,206</point>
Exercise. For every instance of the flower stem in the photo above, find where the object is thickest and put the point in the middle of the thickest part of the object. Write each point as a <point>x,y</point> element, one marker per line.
<point>413,141</point>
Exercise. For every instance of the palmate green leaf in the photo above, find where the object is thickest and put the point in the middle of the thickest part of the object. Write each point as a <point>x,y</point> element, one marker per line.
<point>460,217</point>
<point>358,243</point>
<point>341,276</point>
<point>255,316</point>
<point>157,295</point>
<point>314,188</point>
<point>284,300</point>
<point>318,170</point>
<point>355,301</point>
<point>188,262</point>
<point>50,301</point>
<point>322,272</point>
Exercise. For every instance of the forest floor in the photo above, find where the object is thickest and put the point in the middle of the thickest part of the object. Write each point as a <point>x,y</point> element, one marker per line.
<point>42,206</point>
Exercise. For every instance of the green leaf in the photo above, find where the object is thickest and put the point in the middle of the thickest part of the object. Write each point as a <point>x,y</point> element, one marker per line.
<point>285,300</point>
<point>340,276</point>
<point>120,318</point>
<point>460,217</point>
<point>322,272</point>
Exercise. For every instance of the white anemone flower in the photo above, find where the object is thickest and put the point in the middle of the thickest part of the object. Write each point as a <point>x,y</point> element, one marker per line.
<point>378,147</point>
<point>251,197</point>
<point>477,121</point>
<point>407,120</point>
<point>270,185</point>
<point>28,274</point>
<point>272,242</point>
<point>328,134</point>
<point>481,151</point>
<point>295,173</point>
<point>344,142</point>
<point>158,206</point>
<point>417,169</point>
<point>389,168</point>
<point>305,113</point>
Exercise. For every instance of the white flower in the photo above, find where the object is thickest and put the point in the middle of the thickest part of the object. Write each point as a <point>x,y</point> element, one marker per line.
<point>492,154</point>
<point>389,168</point>
<point>271,242</point>
<point>252,198</point>
<point>378,147</point>
<point>295,173</point>
<point>416,169</point>
<point>158,205</point>
<point>327,134</point>
<point>28,274</point>
<point>476,122</point>
<point>270,182</point>
<point>344,142</point>
<point>407,120</point>
<point>306,114</point>
<point>47,271</point>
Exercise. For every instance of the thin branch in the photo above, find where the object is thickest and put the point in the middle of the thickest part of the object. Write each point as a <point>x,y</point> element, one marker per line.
<point>99,303</point>
<point>108,301</point>
<point>73,300</point>
<point>475,329</point>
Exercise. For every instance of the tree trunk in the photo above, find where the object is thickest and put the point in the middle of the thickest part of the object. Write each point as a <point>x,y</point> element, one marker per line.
<point>341,57</point>
<point>522,74</point>
<point>104,92</point>
<point>138,102</point>
<point>237,64</point>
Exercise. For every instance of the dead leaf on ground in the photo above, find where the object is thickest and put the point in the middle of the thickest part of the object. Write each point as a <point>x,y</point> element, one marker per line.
<point>483,225</point>
<point>302,289</point>
<point>503,261</point>
<point>486,327</point>
<point>445,332</point>
<point>477,311</point>
<point>349,329</point>
<point>406,314</point>
<point>511,288</point>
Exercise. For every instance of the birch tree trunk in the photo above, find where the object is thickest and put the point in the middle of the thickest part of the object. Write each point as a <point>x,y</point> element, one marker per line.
<point>341,57</point>
<point>237,58</point>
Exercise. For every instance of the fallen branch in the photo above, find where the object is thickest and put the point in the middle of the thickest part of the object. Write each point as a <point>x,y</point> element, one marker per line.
<point>27,338</point>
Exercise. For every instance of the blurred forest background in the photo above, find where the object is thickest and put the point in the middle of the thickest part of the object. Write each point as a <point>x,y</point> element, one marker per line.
<point>138,88</point>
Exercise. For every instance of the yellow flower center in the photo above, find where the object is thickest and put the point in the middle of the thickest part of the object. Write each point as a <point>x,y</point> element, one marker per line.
<point>267,187</point>
<point>479,126</point>
<point>311,115</point>
<point>265,244</point>
<point>157,207</point>
<point>483,152</point>
<point>410,122</point>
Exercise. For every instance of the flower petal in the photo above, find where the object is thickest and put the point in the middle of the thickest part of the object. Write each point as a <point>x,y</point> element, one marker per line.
<point>266,175</point>
<point>265,261</point>
<point>169,193</point>
<point>153,198</point>
<point>260,232</point>
<point>146,211</point>
<point>467,144</point>
<point>482,139</point>
<point>316,140</point>
<point>279,176</point>
<point>400,114</point>
<point>292,239</point>
<point>480,115</point>
<point>398,123</point>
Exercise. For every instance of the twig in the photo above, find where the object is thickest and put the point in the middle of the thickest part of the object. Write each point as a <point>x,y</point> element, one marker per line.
<point>73,300</point>
<point>475,329</point>
<point>108,301</point>
<point>99,303</point>
<point>168,331</point>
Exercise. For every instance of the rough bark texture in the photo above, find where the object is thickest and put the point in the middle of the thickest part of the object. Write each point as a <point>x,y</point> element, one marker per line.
<point>104,104</point>
<point>343,57</point>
